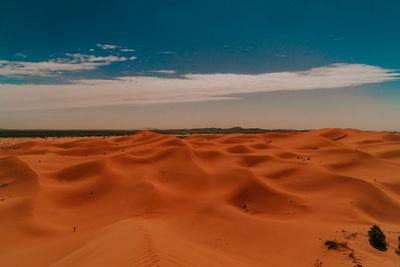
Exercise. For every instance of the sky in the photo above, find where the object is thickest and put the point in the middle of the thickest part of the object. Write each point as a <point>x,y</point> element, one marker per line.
<point>184,64</point>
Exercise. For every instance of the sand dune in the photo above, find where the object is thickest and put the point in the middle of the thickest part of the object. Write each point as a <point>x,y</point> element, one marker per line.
<point>206,200</point>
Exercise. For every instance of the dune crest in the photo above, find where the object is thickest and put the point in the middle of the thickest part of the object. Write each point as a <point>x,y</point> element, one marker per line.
<point>204,200</point>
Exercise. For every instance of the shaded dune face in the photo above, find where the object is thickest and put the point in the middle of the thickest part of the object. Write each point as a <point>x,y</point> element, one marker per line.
<point>19,187</point>
<point>205,200</point>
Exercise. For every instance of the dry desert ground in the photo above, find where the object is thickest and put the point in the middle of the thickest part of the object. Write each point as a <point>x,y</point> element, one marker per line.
<point>149,199</point>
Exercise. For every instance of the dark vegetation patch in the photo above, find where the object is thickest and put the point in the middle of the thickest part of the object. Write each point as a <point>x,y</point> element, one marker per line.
<point>340,137</point>
<point>303,158</point>
<point>377,238</point>
<point>343,247</point>
<point>330,244</point>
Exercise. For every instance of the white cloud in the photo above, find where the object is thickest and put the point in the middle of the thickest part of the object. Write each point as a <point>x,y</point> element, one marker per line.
<point>127,50</point>
<point>142,90</point>
<point>281,55</point>
<point>73,62</point>
<point>45,68</point>
<point>81,58</point>
<point>113,47</point>
<point>91,49</point>
<point>107,46</point>
<point>164,71</point>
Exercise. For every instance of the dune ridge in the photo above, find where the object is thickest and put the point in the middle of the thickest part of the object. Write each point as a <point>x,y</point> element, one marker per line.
<point>149,199</point>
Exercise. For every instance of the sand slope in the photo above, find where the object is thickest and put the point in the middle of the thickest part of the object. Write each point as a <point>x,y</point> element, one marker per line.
<point>206,200</point>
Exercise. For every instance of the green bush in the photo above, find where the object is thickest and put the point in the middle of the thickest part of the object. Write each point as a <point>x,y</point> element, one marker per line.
<point>377,238</point>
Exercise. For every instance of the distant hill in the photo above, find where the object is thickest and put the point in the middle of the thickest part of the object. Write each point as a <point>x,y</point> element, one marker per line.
<point>72,133</point>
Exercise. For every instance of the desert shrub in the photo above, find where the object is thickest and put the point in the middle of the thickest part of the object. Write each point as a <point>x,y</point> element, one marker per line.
<point>331,244</point>
<point>398,250</point>
<point>399,242</point>
<point>377,238</point>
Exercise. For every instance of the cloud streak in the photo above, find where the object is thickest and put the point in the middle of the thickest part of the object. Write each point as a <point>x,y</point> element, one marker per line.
<point>127,50</point>
<point>54,67</point>
<point>164,71</point>
<point>144,90</point>
<point>114,47</point>
<point>107,46</point>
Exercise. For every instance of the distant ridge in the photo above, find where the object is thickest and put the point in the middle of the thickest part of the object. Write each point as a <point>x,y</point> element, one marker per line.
<point>71,133</point>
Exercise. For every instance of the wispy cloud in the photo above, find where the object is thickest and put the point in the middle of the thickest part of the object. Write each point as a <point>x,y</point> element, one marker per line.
<point>113,47</point>
<point>53,67</point>
<point>281,55</point>
<point>127,50</point>
<point>107,46</point>
<point>164,71</point>
<point>82,58</point>
<point>142,90</point>
<point>20,55</point>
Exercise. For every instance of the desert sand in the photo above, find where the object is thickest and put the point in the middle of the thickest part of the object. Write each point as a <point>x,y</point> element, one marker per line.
<point>206,200</point>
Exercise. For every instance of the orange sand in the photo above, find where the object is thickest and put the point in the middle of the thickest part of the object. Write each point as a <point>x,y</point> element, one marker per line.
<point>156,200</point>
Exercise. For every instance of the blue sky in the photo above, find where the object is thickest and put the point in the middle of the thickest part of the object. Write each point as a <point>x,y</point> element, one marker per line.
<point>74,58</point>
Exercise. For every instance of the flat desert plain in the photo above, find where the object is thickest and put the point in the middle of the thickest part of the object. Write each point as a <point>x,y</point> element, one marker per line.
<point>149,199</point>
